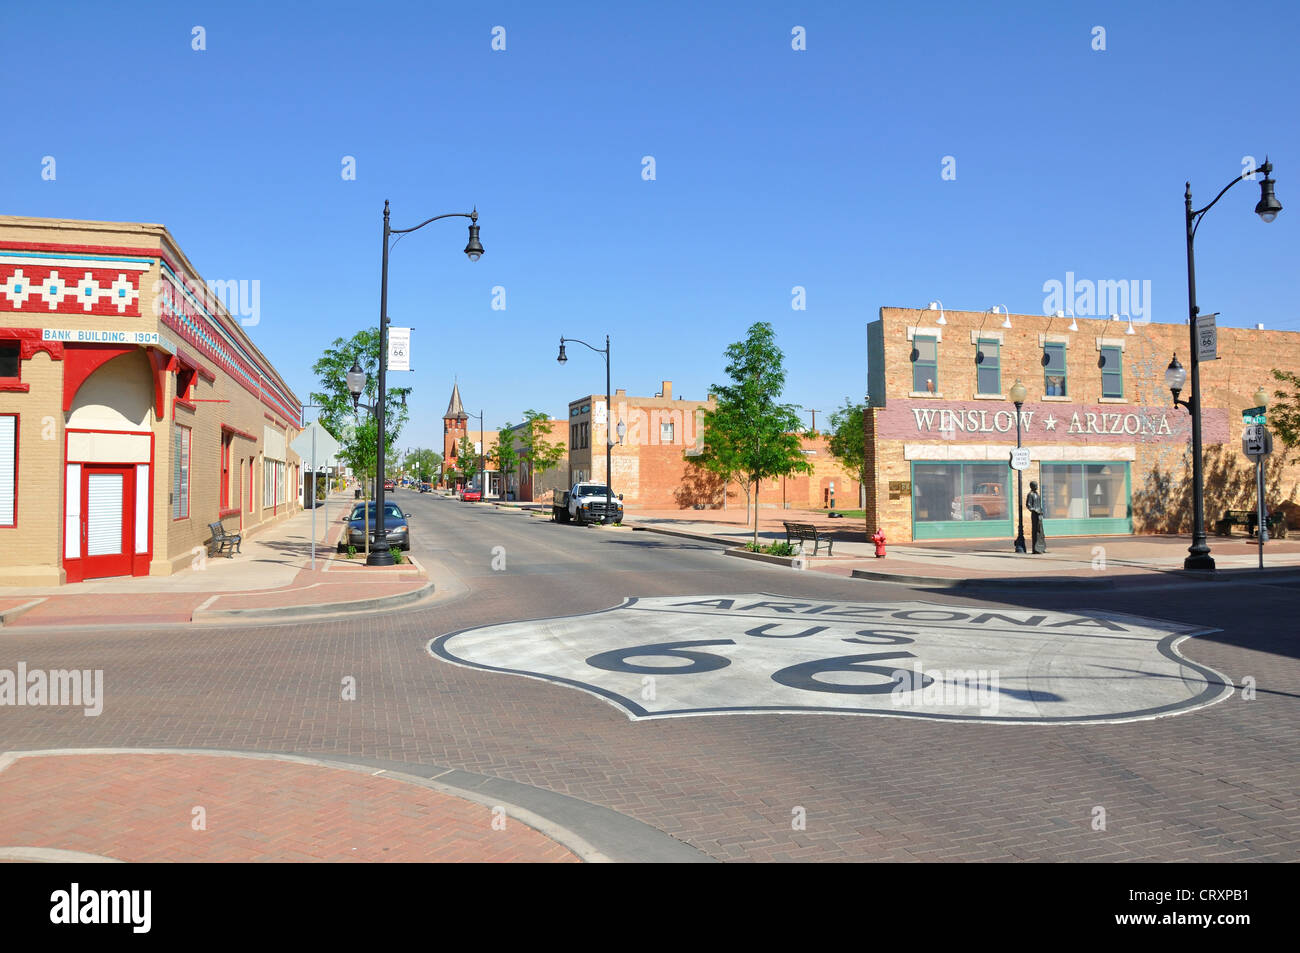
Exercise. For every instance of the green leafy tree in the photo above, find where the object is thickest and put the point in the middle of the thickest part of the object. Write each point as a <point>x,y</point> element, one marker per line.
<point>466,460</point>
<point>1284,416</point>
<point>358,449</point>
<point>336,413</point>
<point>536,452</point>
<point>848,440</point>
<point>751,431</point>
<point>424,464</point>
<point>504,456</point>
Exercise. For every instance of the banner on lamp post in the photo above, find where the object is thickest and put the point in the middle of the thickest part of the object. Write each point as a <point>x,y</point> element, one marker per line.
<point>399,349</point>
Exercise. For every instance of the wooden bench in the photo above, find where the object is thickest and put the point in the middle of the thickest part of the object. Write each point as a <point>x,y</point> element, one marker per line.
<point>221,540</point>
<point>808,532</point>
<point>1248,520</point>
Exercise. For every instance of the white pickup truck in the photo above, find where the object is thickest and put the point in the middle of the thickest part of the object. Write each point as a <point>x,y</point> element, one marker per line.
<point>585,503</point>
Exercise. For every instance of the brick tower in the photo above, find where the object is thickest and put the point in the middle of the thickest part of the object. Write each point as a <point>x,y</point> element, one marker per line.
<point>453,428</point>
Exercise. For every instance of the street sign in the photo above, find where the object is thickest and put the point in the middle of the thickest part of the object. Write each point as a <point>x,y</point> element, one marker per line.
<point>399,349</point>
<point>1254,415</point>
<point>1020,458</point>
<point>326,447</point>
<point>1256,441</point>
<point>1207,338</point>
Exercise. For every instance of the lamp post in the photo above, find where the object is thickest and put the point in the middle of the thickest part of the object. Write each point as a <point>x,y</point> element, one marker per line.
<point>482,474</point>
<point>1018,398</point>
<point>1198,554</point>
<point>609,414</point>
<point>380,555</point>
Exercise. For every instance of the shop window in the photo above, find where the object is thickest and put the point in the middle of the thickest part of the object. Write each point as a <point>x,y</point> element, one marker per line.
<point>988,370</point>
<point>961,492</point>
<point>1054,377</point>
<point>8,360</point>
<point>8,470</point>
<point>1085,491</point>
<point>925,364</point>
<point>180,473</point>
<point>1112,372</point>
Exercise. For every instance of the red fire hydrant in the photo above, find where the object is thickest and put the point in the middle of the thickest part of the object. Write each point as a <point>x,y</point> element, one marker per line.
<point>879,539</point>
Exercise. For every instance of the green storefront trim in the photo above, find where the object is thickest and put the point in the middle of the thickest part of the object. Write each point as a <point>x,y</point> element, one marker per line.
<point>962,529</point>
<point>1096,527</point>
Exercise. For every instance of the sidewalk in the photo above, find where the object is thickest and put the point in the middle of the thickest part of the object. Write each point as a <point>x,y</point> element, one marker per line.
<point>213,807</point>
<point>270,579</point>
<point>1100,561</point>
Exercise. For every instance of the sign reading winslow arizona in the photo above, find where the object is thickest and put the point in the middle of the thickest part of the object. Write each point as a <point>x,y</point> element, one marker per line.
<point>1064,423</point>
<point>748,653</point>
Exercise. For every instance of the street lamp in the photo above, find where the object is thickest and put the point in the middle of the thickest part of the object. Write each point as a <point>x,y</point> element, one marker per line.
<point>609,413</point>
<point>1018,398</point>
<point>1198,554</point>
<point>482,445</point>
<point>380,555</point>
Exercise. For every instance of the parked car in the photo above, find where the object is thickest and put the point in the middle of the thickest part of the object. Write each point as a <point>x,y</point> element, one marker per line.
<point>395,526</point>
<point>390,485</point>
<point>470,495</point>
<point>425,487</point>
<point>988,502</point>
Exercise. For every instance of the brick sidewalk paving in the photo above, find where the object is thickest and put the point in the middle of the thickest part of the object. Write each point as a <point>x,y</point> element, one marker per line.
<point>142,808</point>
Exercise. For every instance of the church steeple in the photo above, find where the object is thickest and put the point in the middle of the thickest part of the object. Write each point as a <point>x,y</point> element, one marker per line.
<point>454,409</point>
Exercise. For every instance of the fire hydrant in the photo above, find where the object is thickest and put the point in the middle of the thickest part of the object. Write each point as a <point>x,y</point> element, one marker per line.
<point>879,539</point>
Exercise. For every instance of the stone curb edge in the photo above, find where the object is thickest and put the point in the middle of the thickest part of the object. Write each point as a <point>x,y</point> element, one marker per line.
<point>325,608</point>
<point>718,540</point>
<point>9,615</point>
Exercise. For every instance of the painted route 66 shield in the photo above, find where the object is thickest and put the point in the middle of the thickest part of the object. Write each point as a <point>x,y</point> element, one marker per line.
<point>710,655</point>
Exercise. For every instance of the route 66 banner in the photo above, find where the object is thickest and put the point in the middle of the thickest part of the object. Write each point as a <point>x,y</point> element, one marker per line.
<point>735,654</point>
<point>399,349</point>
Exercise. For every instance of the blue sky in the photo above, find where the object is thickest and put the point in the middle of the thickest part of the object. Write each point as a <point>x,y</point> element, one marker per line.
<point>774,168</point>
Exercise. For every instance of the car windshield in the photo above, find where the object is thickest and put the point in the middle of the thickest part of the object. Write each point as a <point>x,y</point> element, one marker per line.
<point>592,489</point>
<point>391,511</point>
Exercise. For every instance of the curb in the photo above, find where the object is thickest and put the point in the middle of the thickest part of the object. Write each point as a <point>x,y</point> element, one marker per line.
<point>941,582</point>
<point>327,608</point>
<point>9,615</point>
<point>787,561</point>
<point>720,541</point>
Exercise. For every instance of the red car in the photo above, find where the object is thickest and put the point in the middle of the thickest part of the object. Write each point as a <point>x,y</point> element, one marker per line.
<point>471,496</point>
<point>389,485</point>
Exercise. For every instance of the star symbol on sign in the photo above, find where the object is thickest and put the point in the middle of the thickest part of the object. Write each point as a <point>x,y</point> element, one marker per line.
<point>1049,422</point>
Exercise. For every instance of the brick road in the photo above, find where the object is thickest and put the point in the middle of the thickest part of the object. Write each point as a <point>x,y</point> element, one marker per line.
<point>1216,784</point>
<point>176,807</point>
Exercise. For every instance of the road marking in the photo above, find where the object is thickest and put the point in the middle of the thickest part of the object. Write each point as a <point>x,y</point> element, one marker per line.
<point>669,656</point>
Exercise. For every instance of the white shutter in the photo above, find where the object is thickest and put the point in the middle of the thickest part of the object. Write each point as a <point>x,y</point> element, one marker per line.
<point>8,476</point>
<point>103,514</point>
<point>142,508</point>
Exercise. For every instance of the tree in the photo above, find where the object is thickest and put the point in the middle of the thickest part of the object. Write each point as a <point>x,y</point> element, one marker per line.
<point>535,451</point>
<point>848,440</point>
<point>336,412</point>
<point>1285,415</point>
<point>358,449</point>
<point>751,431</point>
<point>466,460</point>
<point>505,457</point>
<point>425,464</point>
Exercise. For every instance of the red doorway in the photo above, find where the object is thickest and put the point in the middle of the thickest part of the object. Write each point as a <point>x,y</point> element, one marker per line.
<point>107,520</point>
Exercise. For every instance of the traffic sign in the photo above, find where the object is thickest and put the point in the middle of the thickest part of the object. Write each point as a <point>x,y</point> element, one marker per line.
<point>1020,458</point>
<point>1256,441</point>
<point>1254,415</point>
<point>1207,338</point>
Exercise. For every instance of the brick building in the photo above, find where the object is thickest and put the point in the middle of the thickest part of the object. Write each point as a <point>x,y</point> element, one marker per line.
<point>134,409</point>
<point>1111,453</point>
<point>652,467</point>
<point>455,426</point>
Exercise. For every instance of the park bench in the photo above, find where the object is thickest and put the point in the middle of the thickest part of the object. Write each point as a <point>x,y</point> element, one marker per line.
<point>808,532</point>
<point>221,540</point>
<point>1248,520</point>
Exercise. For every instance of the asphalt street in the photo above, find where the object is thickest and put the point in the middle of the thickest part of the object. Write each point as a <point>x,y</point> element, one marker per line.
<point>1214,783</point>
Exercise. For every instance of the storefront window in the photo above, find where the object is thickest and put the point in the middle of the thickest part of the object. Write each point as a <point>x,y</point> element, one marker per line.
<point>1085,491</point>
<point>925,369</point>
<point>960,493</point>
<point>1054,383</point>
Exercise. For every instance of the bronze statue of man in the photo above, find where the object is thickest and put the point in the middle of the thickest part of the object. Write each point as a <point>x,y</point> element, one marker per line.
<point>1034,503</point>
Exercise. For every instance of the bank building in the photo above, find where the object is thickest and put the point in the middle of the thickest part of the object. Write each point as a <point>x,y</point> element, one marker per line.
<point>1108,448</point>
<point>135,410</point>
